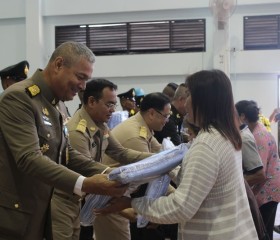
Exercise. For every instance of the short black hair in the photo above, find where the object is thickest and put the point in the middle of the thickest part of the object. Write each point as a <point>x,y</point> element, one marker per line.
<point>155,100</point>
<point>249,108</point>
<point>95,87</point>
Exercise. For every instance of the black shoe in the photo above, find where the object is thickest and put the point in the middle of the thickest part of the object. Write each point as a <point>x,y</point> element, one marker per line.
<point>276,229</point>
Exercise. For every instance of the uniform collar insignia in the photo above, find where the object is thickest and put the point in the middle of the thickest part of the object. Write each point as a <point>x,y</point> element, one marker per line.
<point>45,111</point>
<point>45,148</point>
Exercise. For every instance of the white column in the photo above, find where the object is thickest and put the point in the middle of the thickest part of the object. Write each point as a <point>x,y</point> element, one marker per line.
<point>34,34</point>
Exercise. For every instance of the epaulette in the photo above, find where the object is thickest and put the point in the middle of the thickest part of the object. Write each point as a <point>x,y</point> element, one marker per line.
<point>33,90</point>
<point>143,132</point>
<point>82,125</point>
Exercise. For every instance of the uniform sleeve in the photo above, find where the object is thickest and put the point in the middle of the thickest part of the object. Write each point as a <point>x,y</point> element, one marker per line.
<point>126,155</point>
<point>19,130</point>
<point>250,156</point>
<point>198,175</point>
<point>84,165</point>
<point>81,159</point>
<point>80,142</point>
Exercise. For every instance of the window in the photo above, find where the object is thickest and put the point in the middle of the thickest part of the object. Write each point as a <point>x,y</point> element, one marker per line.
<point>262,32</point>
<point>137,37</point>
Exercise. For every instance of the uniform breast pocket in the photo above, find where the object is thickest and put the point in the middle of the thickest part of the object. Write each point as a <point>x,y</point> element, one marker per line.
<point>11,213</point>
<point>48,138</point>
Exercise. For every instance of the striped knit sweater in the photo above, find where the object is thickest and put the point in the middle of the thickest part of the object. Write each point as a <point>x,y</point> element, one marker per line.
<point>210,201</point>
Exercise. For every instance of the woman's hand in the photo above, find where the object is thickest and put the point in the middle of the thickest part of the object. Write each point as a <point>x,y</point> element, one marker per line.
<point>115,205</point>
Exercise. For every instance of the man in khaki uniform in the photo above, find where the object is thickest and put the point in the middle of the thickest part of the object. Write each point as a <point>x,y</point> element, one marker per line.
<point>137,133</point>
<point>89,134</point>
<point>34,146</point>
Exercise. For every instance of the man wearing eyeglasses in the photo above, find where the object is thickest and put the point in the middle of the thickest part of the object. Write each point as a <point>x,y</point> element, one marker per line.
<point>137,133</point>
<point>90,135</point>
<point>173,128</point>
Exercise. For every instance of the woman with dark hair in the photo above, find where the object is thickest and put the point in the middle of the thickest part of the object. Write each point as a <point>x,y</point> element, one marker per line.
<point>267,193</point>
<point>210,201</point>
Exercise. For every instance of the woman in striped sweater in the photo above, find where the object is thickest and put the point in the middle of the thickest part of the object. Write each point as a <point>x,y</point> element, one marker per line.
<point>210,201</point>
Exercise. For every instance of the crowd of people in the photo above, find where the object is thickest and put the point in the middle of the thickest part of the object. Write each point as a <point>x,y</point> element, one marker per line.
<point>227,186</point>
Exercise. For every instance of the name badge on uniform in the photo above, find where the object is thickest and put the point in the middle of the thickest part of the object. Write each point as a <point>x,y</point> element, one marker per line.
<point>46,119</point>
<point>47,123</point>
<point>65,131</point>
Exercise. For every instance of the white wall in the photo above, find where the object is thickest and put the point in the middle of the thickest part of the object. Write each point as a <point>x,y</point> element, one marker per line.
<point>253,73</point>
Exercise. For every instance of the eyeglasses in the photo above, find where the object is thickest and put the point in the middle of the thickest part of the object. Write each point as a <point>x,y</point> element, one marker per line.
<point>166,117</point>
<point>110,105</point>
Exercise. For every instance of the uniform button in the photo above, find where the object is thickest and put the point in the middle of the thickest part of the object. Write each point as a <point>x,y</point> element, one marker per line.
<point>48,135</point>
<point>16,205</point>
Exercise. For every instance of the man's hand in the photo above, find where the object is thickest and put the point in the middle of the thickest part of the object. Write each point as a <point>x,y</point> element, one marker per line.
<point>100,184</point>
<point>129,214</point>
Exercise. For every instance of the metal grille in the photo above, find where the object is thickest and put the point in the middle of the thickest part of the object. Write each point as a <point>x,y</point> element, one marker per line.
<point>137,37</point>
<point>188,35</point>
<point>70,33</point>
<point>261,32</point>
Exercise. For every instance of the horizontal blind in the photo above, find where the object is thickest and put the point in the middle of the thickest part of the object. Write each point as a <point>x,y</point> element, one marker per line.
<point>149,36</point>
<point>261,32</point>
<point>108,38</point>
<point>137,37</point>
<point>70,33</point>
<point>188,34</point>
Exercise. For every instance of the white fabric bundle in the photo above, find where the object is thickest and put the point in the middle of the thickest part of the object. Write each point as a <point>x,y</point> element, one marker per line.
<point>153,168</point>
<point>155,189</point>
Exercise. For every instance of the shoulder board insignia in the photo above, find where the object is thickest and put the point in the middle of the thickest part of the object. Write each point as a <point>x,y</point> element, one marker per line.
<point>143,132</point>
<point>33,90</point>
<point>82,125</point>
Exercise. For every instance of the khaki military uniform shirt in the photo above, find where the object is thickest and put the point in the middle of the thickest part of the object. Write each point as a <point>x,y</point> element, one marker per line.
<point>134,133</point>
<point>93,140</point>
<point>33,145</point>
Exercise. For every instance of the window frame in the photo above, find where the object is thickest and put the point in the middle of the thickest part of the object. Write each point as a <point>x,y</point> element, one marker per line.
<point>264,46</point>
<point>196,26</point>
